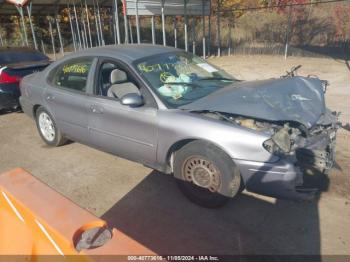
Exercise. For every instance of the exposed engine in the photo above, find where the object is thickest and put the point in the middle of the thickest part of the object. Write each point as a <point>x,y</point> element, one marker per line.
<point>308,147</point>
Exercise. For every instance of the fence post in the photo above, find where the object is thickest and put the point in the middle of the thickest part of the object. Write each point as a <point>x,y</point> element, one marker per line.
<point>59,35</point>
<point>186,24</point>
<point>203,27</point>
<point>96,26</point>
<point>131,33</point>
<point>153,30</point>
<point>29,11</point>
<point>231,21</point>
<point>88,23</point>
<point>71,28</point>
<point>137,22</point>
<point>84,26</point>
<point>43,46</point>
<point>175,32</point>
<point>1,41</point>
<point>209,30</point>
<point>218,28</point>
<point>20,11</point>
<point>125,11</point>
<point>100,23</point>
<point>287,32</point>
<point>77,25</point>
<point>117,20</point>
<point>52,39</point>
<point>163,23</point>
<point>193,35</point>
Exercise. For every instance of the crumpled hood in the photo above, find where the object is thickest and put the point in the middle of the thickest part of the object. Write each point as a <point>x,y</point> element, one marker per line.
<point>297,99</point>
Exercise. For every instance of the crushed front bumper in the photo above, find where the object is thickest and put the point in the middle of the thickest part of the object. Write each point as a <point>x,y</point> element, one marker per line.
<point>285,178</point>
<point>282,179</point>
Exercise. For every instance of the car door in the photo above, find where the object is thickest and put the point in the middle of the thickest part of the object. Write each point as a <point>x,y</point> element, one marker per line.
<point>67,98</point>
<point>119,129</point>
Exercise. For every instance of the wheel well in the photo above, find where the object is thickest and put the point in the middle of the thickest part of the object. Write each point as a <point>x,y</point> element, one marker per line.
<point>175,147</point>
<point>35,108</point>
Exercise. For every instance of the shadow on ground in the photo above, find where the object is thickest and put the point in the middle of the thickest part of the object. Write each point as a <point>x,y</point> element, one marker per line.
<point>347,63</point>
<point>157,215</point>
<point>8,111</point>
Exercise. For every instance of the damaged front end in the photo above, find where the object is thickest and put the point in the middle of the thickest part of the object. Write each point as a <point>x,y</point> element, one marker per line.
<point>299,149</point>
<point>311,148</point>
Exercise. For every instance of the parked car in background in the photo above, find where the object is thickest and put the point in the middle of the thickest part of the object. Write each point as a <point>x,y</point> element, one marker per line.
<point>177,113</point>
<point>15,63</point>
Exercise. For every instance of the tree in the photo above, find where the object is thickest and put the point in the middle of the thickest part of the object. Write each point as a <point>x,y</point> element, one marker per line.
<point>341,15</point>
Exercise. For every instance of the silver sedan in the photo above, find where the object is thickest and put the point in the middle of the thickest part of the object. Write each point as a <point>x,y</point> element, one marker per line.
<point>177,113</point>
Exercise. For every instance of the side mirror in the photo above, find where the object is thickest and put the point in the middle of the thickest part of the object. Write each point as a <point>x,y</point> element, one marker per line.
<point>132,100</point>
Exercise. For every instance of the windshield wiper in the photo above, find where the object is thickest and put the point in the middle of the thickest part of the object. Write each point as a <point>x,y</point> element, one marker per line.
<point>181,83</point>
<point>215,78</point>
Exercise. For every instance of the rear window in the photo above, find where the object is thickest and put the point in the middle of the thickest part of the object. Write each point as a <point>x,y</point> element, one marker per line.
<point>18,56</point>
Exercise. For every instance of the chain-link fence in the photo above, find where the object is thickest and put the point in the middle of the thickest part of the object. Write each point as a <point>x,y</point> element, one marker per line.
<point>321,29</point>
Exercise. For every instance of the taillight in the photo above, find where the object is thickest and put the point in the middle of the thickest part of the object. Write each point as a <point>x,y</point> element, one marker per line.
<point>5,78</point>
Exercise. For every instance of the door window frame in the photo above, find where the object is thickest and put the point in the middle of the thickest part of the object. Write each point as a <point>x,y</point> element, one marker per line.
<point>147,95</point>
<point>89,81</point>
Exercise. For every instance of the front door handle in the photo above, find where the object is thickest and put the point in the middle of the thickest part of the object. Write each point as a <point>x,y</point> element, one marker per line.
<point>96,109</point>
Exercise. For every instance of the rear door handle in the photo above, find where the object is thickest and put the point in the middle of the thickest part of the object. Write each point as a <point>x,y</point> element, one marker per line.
<point>50,97</point>
<point>96,109</point>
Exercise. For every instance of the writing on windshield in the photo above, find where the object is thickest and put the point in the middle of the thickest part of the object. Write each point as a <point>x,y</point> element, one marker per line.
<point>177,77</point>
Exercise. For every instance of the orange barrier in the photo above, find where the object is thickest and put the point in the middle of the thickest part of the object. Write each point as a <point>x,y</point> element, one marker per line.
<point>36,220</point>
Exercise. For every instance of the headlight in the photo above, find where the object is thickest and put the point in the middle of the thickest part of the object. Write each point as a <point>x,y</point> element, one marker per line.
<point>279,143</point>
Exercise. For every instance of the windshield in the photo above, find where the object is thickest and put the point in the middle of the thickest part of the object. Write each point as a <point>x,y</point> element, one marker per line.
<point>181,78</point>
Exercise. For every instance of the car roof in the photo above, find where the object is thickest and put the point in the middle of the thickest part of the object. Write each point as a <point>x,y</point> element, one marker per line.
<point>129,52</point>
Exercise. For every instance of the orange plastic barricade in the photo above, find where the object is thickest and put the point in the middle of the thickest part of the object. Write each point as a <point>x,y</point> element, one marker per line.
<point>36,220</point>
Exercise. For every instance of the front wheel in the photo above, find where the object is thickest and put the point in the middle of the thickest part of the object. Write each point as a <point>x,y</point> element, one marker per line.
<point>206,174</point>
<point>47,128</point>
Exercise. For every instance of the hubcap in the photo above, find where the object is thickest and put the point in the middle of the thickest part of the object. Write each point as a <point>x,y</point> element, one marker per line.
<point>202,173</point>
<point>47,128</point>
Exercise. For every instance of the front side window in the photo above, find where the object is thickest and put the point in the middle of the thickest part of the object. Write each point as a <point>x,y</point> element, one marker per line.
<point>115,82</point>
<point>180,78</point>
<point>73,74</point>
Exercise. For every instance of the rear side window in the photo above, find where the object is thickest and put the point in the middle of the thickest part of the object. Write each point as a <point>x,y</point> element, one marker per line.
<point>18,56</point>
<point>73,74</point>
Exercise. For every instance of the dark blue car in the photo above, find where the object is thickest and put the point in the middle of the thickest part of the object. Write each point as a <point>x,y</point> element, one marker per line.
<point>15,63</point>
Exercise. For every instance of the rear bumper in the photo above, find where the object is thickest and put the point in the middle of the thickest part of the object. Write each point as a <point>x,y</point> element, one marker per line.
<point>26,106</point>
<point>9,94</point>
<point>280,179</point>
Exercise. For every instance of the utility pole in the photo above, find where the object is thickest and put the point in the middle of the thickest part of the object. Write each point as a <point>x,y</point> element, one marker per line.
<point>288,31</point>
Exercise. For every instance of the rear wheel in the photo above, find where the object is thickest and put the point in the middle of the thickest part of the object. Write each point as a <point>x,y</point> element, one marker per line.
<point>208,176</point>
<point>47,128</point>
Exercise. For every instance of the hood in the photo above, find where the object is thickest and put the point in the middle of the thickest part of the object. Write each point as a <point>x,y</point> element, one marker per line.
<point>296,99</point>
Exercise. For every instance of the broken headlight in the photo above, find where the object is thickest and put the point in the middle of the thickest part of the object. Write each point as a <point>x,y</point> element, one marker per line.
<point>279,143</point>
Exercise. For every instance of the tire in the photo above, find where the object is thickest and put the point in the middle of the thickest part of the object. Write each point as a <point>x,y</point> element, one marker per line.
<point>47,128</point>
<point>202,163</point>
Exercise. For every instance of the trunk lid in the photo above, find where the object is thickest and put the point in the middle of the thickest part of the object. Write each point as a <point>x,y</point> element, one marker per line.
<point>26,68</point>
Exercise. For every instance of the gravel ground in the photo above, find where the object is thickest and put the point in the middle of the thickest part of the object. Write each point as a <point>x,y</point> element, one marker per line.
<point>148,206</point>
